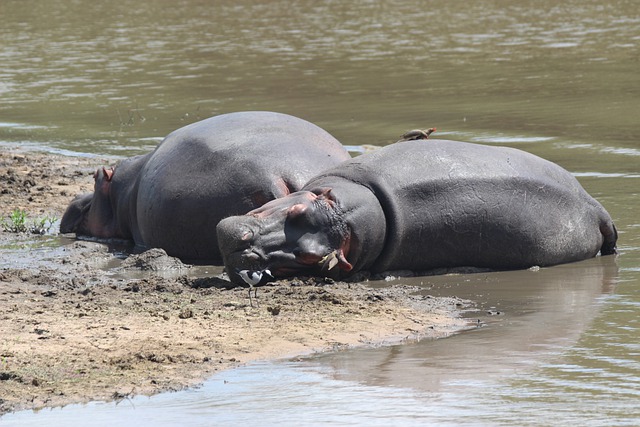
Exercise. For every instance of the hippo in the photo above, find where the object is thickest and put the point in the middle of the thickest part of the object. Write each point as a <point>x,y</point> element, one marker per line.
<point>422,206</point>
<point>173,197</point>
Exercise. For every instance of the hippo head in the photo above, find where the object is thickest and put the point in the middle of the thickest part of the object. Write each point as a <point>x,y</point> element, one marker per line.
<point>92,214</point>
<point>304,233</point>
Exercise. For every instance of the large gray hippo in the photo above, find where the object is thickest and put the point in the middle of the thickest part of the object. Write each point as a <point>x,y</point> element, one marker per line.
<point>173,197</point>
<point>422,205</point>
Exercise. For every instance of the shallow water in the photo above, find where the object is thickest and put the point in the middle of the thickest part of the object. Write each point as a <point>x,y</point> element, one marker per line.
<point>558,80</point>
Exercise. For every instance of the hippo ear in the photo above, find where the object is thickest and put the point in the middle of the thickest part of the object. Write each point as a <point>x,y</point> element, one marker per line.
<point>296,210</point>
<point>108,173</point>
<point>325,193</point>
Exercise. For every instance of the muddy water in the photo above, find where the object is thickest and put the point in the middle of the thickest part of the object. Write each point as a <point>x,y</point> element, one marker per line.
<point>554,346</point>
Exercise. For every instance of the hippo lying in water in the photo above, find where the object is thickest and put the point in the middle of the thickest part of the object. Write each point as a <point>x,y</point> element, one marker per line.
<point>422,205</point>
<point>173,197</point>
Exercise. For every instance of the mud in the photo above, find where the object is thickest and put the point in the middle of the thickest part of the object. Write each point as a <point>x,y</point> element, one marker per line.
<point>75,328</point>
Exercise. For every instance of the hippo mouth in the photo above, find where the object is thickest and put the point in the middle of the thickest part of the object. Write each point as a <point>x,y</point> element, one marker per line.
<point>295,267</point>
<point>283,264</point>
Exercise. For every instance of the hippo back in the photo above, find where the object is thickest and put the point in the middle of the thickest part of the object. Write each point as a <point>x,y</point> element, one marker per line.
<point>222,166</point>
<point>450,204</point>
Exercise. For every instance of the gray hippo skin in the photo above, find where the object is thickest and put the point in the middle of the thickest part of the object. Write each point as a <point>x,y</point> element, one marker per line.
<point>173,197</point>
<point>422,205</point>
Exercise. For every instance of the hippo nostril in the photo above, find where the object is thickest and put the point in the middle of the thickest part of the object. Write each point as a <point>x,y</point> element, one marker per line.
<point>248,235</point>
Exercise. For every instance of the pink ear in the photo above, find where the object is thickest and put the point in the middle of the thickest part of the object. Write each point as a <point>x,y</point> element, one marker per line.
<point>296,210</point>
<point>326,193</point>
<point>108,173</point>
<point>103,186</point>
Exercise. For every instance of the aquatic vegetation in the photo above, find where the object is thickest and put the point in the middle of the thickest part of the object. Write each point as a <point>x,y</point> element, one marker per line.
<point>19,222</point>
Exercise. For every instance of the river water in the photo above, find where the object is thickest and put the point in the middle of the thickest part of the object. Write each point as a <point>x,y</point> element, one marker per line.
<point>555,346</point>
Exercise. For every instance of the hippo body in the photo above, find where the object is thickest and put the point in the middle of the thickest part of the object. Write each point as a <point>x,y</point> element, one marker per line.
<point>173,197</point>
<point>423,205</point>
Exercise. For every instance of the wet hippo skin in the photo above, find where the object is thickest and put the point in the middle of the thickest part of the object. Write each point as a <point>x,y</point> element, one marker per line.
<point>422,205</point>
<point>173,197</point>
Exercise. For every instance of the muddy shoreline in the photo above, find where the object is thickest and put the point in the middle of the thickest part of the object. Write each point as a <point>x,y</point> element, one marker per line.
<point>74,330</point>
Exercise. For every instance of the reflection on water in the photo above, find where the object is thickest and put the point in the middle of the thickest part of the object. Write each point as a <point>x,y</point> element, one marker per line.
<point>560,351</point>
<point>530,315</point>
<point>556,79</point>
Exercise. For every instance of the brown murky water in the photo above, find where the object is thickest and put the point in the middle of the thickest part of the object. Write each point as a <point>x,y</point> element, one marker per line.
<point>559,345</point>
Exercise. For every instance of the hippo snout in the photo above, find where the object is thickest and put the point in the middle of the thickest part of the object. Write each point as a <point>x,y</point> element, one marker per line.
<point>233,236</point>
<point>76,215</point>
<point>235,239</point>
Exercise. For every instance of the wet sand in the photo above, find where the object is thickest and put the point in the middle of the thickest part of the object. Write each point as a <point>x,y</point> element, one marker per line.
<point>73,331</point>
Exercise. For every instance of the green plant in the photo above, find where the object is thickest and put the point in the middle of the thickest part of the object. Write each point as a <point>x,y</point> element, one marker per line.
<point>18,223</point>
<point>42,225</point>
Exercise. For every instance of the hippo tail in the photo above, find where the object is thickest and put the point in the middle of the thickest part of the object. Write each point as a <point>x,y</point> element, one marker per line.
<point>610,234</point>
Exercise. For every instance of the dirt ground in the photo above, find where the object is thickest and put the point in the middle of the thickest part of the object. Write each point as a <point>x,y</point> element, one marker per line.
<point>72,330</point>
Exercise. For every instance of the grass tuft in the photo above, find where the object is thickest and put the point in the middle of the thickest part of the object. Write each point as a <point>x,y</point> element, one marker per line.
<point>18,222</point>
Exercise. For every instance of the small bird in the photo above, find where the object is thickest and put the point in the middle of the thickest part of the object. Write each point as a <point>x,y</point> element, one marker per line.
<point>415,134</point>
<point>329,261</point>
<point>254,278</point>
